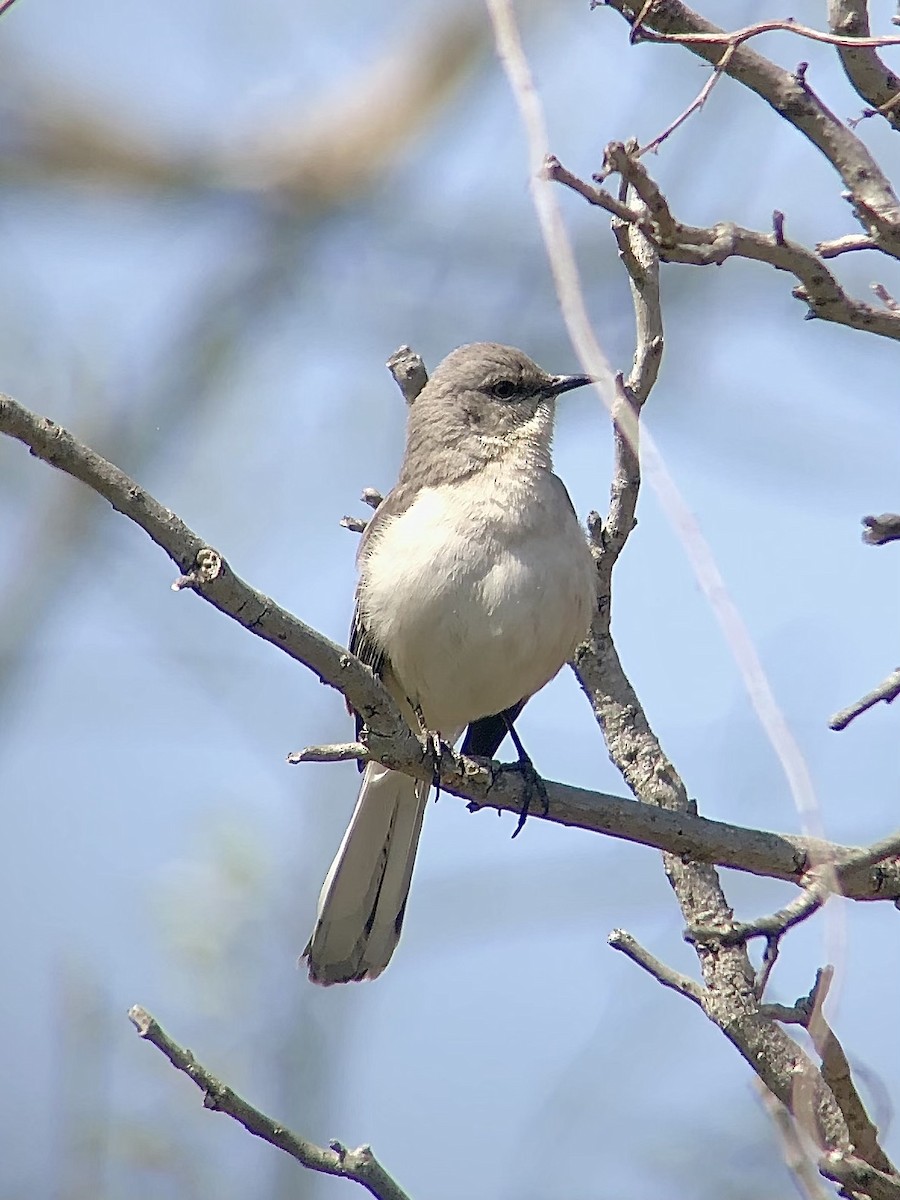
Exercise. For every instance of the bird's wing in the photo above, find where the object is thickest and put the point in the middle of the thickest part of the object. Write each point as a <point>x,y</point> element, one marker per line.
<point>363,643</point>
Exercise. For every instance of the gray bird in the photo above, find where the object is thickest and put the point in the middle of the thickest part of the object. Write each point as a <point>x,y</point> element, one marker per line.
<point>475,586</point>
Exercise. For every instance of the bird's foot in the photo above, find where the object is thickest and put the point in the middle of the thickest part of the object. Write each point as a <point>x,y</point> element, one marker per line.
<point>533,784</point>
<point>433,742</point>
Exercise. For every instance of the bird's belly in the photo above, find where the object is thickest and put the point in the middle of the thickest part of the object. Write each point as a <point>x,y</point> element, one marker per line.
<point>475,615</point>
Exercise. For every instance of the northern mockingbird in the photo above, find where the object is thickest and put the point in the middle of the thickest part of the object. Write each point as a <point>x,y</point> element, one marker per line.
<point>475,586</point>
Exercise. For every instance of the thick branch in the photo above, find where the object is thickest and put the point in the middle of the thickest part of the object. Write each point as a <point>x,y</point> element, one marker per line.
<point>873,80</point>
<point>359,1165</point>
<point>859,1177</point>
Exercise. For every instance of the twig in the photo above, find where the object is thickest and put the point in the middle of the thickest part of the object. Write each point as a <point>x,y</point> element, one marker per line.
<point>683,984</point>
<point>339,752</point>
<point>793,1148</point>
<point>819,885</point>
<point>887,691</point>
<point>641,259</point>
<point>786,25</point>
<point>359,1165</point>
<point>408,370</point>
<point>885,297</point>
<point>354,524</point>
<point>769,959</point>
<point>824,878</point>
<point>695,105</point>
<point>553,170</point>
<point>848,244</point>
<point>817,288</point>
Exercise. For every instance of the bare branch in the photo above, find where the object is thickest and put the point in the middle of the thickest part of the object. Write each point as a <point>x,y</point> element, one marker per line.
<point>821,883</point>
<point>887,691</point>
<point>738,36</point>
<point>354,524</point>
<point>388,740</point>
<point>410,376</point>
<point>408,370</point>
<point>555,171</point>
<point>359,1165</point>
<point>873,80</point>
<point>683,984</point>
<point>340,752</point>
<point>845,245</point>
<point>885,297</point>
<point>818,288</point>
<point>869,191</point>
<point>859,1177</point>
<point>641,259</point>
<point>695,105</point>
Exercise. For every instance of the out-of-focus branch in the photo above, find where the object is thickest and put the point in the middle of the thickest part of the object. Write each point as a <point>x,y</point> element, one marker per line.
<point>313,159</point>
<point>837,1074</point>
<point>161,410</point>
<point>683,834</point>
<point>701,246</point>
<point>794,1149</point>
<point>808,1012</point>
<point>360,1165</point>
<point>873,80</point>
<point>874,201</point>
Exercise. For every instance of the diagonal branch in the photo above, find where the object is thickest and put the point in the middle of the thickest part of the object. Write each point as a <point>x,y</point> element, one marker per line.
<point>873,80</point>
<point>886,692</point>
<point>874,201</point>
<point>360,1165</point>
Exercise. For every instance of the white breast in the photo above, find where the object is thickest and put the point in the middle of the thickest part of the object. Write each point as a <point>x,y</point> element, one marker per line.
<point>478,593</point>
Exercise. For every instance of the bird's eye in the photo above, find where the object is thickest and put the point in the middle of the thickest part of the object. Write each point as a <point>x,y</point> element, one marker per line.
<point>503,389</point>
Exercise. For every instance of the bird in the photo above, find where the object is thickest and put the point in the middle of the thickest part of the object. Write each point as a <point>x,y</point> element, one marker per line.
<point>475,585</point>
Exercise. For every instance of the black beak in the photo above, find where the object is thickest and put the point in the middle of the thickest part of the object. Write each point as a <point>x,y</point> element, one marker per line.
<point>566,383</point>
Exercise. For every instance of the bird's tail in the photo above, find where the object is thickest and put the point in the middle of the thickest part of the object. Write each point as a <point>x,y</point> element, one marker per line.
<point>363,898</point>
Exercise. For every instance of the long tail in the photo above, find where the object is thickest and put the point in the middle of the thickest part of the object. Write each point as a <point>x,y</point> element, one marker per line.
<point>363,898</point>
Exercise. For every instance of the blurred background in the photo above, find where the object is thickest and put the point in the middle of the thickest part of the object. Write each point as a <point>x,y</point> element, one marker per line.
<point>216,223</point>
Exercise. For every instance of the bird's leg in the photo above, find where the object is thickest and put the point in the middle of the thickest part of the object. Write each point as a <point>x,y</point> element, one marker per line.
<point>433,741</point>
<point>534,785</point>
